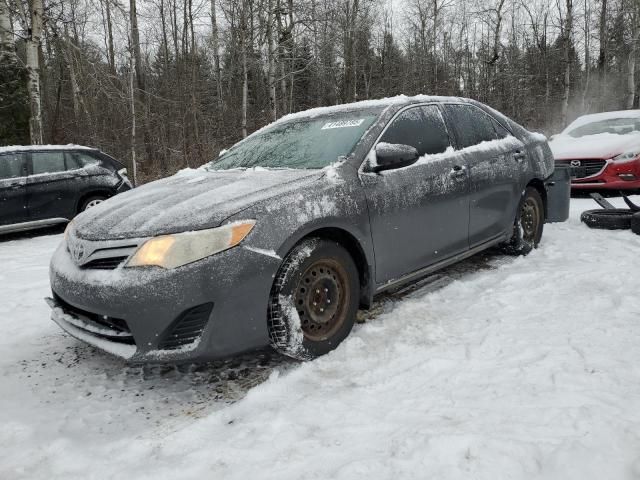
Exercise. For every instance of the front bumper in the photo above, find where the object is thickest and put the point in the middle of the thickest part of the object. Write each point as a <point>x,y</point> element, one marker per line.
<point>614,176</point>
<point>136,313</point>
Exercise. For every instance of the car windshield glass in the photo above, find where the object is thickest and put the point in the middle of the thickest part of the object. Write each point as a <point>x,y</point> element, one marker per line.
<point>617,126</point>
<point>310,143</point>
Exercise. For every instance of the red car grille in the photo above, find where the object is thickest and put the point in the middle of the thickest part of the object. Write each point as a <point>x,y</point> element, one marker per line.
<point>586,168</point>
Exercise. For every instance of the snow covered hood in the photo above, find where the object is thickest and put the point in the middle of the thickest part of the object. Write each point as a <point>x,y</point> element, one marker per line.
<point>602,145</point>
<point>189,200</point>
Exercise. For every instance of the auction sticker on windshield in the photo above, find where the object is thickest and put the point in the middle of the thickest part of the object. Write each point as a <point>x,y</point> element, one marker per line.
<point>343,124</point>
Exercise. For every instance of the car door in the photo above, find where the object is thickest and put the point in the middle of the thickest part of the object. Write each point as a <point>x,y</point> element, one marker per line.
<point>13,176</point>
<point>495,170</point>
<point>419,214</point>
<point>50,192</point>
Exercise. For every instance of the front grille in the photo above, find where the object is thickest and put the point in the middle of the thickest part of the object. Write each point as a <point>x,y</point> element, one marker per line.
<point>105,263</point>
<point>121,332</point>
<point>587,167</point>
<point>187,328</point>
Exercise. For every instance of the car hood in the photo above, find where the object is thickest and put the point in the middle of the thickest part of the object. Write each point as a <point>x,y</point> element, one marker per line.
<point>189,200</point>
<point>602,145</point>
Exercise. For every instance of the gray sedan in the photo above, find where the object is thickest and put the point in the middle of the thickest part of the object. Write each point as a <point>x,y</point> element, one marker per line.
<point>287,234</point>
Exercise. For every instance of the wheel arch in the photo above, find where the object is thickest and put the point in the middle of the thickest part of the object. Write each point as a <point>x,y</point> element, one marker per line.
<point>539,186</point>
<point>355,248</point>
<point>98,192</point>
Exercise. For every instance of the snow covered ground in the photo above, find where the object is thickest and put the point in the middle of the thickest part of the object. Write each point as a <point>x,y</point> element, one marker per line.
<point>498,368</point>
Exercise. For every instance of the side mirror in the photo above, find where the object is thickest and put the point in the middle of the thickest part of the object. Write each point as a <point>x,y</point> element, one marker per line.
<point>552,137</point>
<point>394,155</point>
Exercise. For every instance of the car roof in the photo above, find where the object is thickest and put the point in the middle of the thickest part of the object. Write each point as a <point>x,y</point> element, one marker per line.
<point>399,100</point>
<point>31,148</point>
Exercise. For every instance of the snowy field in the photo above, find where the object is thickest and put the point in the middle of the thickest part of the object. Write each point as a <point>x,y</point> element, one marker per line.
<point>500,367</point>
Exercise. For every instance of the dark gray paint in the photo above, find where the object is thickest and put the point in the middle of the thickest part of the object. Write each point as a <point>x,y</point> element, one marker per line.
<point>399,224</point>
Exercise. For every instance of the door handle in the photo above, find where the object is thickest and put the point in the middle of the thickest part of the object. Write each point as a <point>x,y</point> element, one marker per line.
<point>458,171</point>
<point>15,186</point>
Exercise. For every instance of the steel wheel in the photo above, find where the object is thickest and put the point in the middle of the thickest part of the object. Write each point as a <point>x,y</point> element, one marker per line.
<point>321,299</point>
<point>314,299</point>
<point>530,219</point>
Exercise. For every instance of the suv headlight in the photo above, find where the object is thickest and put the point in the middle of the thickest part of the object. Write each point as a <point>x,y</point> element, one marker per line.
<point>172,251</point>
<point>627,156</point>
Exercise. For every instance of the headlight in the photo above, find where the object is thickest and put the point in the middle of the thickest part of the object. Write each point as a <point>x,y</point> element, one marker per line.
<point>626,157</point>
<point>171,251</point>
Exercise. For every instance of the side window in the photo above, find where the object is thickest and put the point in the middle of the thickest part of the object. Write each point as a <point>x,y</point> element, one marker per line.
<point>11,165</point>
<point>472,125</point>
<point>80,160</point>
<point>47,162</point>
<point>500,130</point>
<point>420,127</point>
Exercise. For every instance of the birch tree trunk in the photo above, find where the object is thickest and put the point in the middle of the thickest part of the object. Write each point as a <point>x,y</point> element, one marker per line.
<point>631,62</point>
<point>111,51</point>
<point>6,35</point>
<point>271,67</point>
<point>33,71</point>
<point>568,26</point>
<point>215,40</point>
<point>245,73</point>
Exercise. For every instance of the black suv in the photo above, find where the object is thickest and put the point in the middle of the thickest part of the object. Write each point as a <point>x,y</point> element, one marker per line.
<point>49,184</point>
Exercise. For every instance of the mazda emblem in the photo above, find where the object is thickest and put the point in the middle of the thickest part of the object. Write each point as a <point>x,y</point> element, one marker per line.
<point>576,163</point>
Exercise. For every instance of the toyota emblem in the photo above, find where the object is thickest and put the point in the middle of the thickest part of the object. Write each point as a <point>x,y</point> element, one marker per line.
<point>576,163</point>
<point>77,250</point>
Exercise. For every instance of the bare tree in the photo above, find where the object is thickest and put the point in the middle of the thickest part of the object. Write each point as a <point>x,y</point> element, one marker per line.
<point>33,69</point>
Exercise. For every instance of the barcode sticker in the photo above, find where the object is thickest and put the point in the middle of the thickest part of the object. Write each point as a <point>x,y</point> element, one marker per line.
<point>343,124</point>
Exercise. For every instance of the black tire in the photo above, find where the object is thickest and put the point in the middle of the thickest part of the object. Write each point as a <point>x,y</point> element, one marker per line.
<point>635,223</point>
<point>91,201</point>
<point>314,299</point>
<point>610,219</point>
<point>528,225</point>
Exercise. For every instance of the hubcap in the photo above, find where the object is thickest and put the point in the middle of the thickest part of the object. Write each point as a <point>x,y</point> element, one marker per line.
<point>321,299</point>
<point>93,203</point>
<point>529,219</point>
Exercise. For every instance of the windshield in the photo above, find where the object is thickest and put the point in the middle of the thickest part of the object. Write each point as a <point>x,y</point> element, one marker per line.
<point>617,126</point>
<point>309,143</point>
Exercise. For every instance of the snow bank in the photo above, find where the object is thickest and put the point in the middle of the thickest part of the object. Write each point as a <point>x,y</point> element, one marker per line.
<point>520,368</point>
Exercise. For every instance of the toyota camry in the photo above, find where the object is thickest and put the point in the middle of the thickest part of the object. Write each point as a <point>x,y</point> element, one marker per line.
<point>281,239</point>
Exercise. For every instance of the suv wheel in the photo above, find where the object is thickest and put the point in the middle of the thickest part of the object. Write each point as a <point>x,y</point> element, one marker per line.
<point>92,202</point>
<point>314,299</point>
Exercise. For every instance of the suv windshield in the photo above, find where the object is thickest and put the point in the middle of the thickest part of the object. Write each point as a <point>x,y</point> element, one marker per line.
<point>618,126</point>
<point>309,143</point>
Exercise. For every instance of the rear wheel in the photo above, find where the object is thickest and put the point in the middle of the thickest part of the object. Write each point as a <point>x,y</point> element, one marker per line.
<point>92,202</point>
<point>529,224</point>
<point>314,299</point>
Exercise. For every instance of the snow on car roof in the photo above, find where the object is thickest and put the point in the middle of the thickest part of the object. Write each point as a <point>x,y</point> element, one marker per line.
<point>26,148</point>
<point>597,117</point>
<point>382,102</point>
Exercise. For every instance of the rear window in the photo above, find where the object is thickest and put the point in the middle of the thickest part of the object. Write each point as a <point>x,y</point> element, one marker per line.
<point>47,162</point>
<point>472,125</point>
<point>11,165</point>
<point>80,160</point>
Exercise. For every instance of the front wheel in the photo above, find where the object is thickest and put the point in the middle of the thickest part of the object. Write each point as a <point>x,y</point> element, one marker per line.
<point>529,223</point>
<point>314,299</point>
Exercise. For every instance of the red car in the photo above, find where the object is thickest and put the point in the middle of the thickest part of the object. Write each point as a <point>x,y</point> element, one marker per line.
<point>602,149</point>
